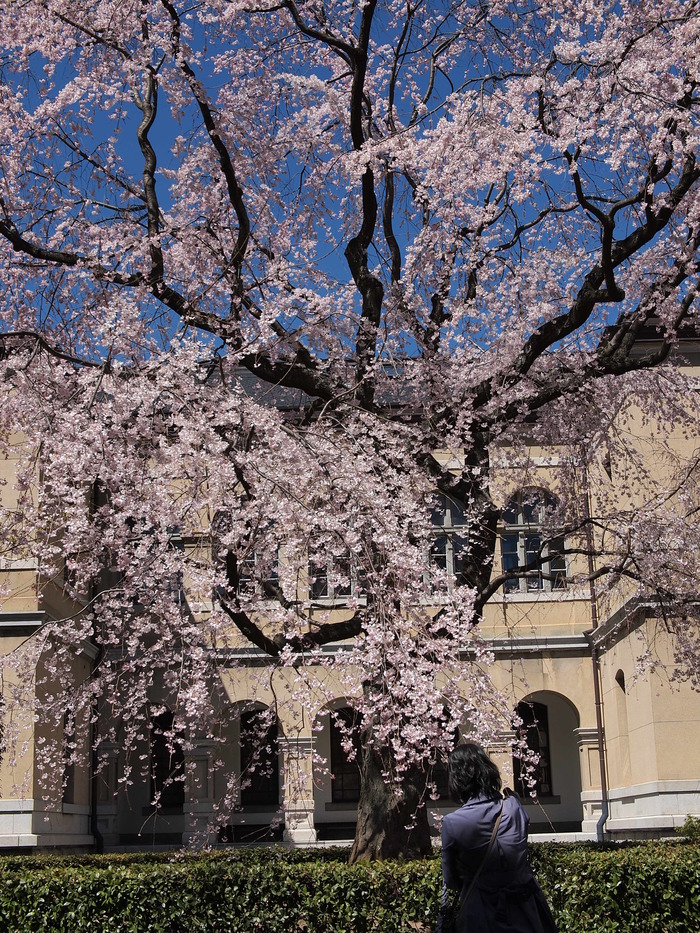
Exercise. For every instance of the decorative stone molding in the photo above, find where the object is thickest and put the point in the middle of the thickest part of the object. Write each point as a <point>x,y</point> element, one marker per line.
<point>299,827</point>
<point>589,761</point>
<point>655,807</point>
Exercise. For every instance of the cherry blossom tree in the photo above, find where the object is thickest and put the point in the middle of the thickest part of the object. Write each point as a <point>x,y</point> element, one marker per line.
<point>277,280</point>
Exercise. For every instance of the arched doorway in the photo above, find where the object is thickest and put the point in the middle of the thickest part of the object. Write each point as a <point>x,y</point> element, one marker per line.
<point>252,754</point>
<point>337,785</point>
<point>549,724</point>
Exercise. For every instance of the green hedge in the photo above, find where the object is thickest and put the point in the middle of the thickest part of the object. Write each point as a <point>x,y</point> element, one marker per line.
<point>651,888</point>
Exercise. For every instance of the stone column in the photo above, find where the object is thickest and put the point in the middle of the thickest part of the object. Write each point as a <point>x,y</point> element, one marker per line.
<point>298,790</point>
<point>199,793</point>
<point>589,761</point>
<point>500,751</point>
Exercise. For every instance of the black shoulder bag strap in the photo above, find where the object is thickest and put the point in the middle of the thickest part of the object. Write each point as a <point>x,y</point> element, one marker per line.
<point>464,895</point>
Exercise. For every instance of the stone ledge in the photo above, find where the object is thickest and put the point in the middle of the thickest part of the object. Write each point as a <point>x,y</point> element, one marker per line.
<point>19,841</point>
<point>655,788</point>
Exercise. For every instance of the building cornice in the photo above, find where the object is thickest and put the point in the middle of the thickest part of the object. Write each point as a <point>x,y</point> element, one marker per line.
<point>21,623</point>
<point>626,618</point>
<point>501,647</point>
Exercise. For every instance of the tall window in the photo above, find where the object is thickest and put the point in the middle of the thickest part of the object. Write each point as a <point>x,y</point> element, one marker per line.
<point>449,545</point>
<point>69,740</point>
<point>260,768</point>
<point>332,577</point>
<point>535,731</point>
<point>254,573</point>
<point>440,774</point>
<point>523,545</point>
<point>345,781</point>
<point>167,764</point>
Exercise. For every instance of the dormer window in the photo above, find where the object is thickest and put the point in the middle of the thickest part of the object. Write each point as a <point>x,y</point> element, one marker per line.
<point>536,561</point>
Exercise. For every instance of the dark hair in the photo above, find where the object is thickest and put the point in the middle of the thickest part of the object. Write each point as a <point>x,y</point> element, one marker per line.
<point>471,773</point>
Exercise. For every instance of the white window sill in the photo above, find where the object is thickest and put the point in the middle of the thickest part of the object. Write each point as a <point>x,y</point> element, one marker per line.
<point>570,594</point>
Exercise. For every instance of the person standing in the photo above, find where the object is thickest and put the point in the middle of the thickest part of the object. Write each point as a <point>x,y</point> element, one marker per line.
<point>488,885</point>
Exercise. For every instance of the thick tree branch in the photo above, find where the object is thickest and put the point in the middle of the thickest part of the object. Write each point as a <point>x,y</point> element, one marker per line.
<point>42,342</point>
<point>319,634</point>
<point>592,291</point>
<point>369,286</point>
<point>226,163</point>
<point>148,105</point>
<point>344,49</point>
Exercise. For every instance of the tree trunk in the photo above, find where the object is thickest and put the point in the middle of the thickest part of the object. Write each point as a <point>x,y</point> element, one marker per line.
<point>392,822</point>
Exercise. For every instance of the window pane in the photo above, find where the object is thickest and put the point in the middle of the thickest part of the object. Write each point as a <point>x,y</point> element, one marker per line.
<point>456,513</point>
<point>246,575</point>
<point>509,559</point>
<point>318,581</point>
<point>438,552</point>
<point>509,551</point>
<point>68,765</point>
<point>252,569</point>
<point>510,515</point>
<point>439,512</point>
<point>167,764</point>
<point>557,565</point>
<point>535,730</point>
<point>459,548</point>
<point>342,570</point>
<point>533,543</point>
<point>532,505</point>
<point>345,773</point>
<point>259,762</point>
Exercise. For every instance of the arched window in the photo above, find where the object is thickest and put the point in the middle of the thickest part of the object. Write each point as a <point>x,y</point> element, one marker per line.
<point>345,768</point>
<point>260,768</point>
<point>167,764</point>
<point>535,731</point>
<point>539,561</point>
<point>449,545</point>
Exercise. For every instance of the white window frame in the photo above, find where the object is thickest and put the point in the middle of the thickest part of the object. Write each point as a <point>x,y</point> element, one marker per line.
<point>523,530</point>
<point>333,595</point>
<point>248,583</point>
<point>443,525</point>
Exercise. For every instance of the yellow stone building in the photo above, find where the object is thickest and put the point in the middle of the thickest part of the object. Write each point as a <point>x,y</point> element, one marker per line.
<point>619,754</point>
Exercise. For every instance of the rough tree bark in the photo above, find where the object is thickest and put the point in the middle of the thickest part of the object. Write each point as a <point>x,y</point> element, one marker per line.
<point>392,821</point>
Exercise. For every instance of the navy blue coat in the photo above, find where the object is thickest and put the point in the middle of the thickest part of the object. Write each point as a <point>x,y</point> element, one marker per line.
<point>506,897</point>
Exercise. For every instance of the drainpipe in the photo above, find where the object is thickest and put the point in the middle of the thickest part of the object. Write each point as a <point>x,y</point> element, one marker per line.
<point>595,658</point>
<point>604,810</point>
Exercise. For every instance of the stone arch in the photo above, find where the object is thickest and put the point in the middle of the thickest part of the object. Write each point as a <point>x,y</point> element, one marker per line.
<point>337,784</point>
<point>558,806</point>
<point>255,762</point>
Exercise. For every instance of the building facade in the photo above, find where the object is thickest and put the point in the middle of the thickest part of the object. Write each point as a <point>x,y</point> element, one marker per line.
<point>617,752</point>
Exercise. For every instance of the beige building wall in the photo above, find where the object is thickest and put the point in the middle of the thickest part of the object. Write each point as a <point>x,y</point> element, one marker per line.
<point>542,649</point>
<point>651,725</point>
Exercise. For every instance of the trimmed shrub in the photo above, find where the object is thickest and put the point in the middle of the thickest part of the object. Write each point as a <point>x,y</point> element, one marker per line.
<point>649,888</point>
<point>690,828</point>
